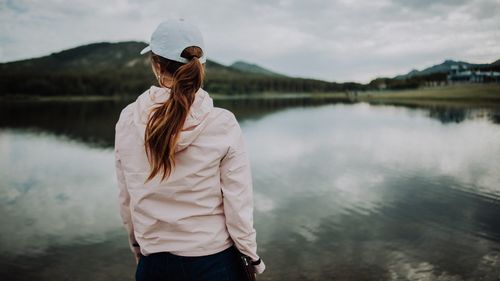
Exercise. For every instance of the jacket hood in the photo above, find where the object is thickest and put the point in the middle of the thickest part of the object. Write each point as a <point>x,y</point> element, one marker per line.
<point>193,125</point>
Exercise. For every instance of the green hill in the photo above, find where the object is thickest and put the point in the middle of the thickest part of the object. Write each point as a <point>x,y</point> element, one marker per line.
<point>117,69</point>
<point>253,68</point>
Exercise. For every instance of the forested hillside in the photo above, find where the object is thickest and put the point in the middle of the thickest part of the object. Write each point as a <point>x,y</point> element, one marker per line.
<point>117,69</point>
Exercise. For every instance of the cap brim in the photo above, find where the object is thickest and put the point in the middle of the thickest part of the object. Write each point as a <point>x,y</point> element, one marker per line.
<point>145,50</point>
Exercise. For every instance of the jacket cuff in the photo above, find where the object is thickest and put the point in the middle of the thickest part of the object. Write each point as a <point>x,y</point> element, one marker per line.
<point>260,267</point>
<point>135,249</point>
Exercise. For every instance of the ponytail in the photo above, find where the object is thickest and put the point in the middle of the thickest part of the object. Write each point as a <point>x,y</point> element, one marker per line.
<point>167,120</point>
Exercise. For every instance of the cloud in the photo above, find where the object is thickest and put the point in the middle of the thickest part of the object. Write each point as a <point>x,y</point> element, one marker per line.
<point>333,40</point>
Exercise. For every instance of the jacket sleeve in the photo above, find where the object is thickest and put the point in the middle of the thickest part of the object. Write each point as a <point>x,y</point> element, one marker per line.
<point>236,183</point>
<point>124,203</point>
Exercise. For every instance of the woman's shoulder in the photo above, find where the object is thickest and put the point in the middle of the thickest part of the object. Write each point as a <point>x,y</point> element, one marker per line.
<point>126,114</point>
<point>225,125</point>
<point>224,117</point>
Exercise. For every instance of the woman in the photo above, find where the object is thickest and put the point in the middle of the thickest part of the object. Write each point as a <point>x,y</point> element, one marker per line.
<point>183,170</point>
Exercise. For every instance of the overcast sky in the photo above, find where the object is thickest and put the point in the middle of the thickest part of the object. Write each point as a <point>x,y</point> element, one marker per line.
<point>335,40</point>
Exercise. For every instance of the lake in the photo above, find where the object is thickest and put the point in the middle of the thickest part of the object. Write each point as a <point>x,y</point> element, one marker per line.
<point>343,191</point>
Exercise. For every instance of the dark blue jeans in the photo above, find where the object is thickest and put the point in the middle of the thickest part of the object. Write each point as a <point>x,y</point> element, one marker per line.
<point>222,266</point>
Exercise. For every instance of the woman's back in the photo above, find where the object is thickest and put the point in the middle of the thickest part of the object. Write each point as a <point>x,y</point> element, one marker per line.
<point>183,214</point>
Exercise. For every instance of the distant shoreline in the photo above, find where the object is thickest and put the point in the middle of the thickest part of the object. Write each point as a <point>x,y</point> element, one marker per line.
<point>59,98</point>
<point>215,96</point>
<point>463,94</point>
<point>459,94</point>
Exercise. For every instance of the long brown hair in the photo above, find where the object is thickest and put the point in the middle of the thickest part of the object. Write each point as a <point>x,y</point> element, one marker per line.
<point>166,120</point>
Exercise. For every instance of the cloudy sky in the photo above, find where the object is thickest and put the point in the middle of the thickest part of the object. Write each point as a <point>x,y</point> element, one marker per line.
<point>335,40</point>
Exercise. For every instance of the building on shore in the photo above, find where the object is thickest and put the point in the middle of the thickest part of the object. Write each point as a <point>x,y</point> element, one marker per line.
<point>460,74</point>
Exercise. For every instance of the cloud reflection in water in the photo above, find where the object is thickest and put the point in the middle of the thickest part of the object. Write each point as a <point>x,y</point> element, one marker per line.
<point>363,191</point>
<point>54,192</point>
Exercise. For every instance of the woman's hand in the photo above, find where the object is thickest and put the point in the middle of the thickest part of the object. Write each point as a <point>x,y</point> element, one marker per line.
<point>137,258</point>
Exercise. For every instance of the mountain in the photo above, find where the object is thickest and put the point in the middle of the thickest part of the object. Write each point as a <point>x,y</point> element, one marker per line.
<point>253,68</point>
<point>94,58</point>
<point>117,69</point>
<point>444,67</point>
<point>434,75</point>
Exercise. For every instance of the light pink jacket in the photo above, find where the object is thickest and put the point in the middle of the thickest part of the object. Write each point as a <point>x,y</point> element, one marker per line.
<point>206,204</point>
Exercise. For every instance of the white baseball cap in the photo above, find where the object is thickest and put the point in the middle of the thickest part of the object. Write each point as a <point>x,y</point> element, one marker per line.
<point>172,36</point>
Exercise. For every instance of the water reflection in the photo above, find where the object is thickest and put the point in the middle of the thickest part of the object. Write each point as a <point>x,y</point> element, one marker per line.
<point>460,114</point>
<point>93,121</point>
<point>53,192</point>
<point>342,192</point>
<point>377,193</point>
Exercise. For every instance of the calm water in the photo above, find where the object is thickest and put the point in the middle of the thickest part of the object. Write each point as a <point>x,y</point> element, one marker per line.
<point>342,191</point>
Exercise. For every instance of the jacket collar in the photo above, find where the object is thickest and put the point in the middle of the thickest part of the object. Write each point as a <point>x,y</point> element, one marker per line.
<point>201,106</point>
<point>193,125</point>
